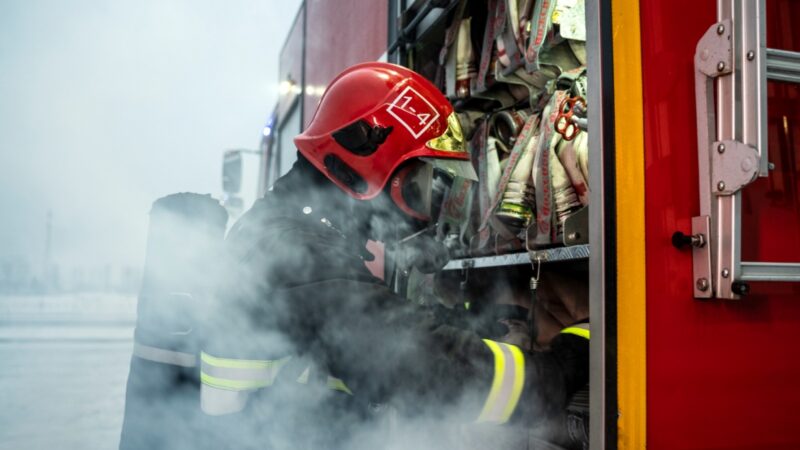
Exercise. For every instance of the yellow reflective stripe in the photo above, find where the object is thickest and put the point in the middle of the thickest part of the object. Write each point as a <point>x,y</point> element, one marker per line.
<point>577,331</point>
<point>519,381</point>
<point>240,363</point>
<point>499,371</point>
<point>507,384</point>
<point>338,385</point>
<point>233,385</point>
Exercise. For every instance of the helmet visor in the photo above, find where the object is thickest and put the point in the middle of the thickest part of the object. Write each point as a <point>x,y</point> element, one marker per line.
<point>453,167</point>
<point>411,189</point>
<point>419,188</point>
<point>452,140</point>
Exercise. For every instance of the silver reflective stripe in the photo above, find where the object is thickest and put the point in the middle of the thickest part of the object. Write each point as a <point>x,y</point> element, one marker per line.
<point>164,356</point>
<point>509,378</point>
<point>217,401</point>
<point>266,374</point>
<point>303,378</point>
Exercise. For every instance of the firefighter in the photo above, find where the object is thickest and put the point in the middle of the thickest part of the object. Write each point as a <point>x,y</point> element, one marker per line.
<point>307,344</point>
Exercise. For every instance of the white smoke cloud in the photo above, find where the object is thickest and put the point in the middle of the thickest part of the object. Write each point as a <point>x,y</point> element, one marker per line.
<point>109,105</point>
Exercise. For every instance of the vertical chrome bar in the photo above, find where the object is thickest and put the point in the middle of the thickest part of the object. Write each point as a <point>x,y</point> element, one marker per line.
<point>725,221</point>
<point>751,63</point>
<point>704,108</point>
<point>726,120</point>
<point>712,60</point>
<point>597,275</point>
<point>728,249</point>
<point>748,109</point>
<point>748,68</point>
<point>717,120</point>
<point>759,60</point>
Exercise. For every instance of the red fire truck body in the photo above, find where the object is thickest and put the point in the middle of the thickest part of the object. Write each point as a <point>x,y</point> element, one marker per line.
<point>720,373</point>
<point>671,369</point>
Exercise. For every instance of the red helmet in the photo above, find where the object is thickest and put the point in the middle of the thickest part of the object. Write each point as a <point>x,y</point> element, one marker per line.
<point>372,118</point>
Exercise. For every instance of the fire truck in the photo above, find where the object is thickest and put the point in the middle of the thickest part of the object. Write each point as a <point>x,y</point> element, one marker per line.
<point>688,229</point>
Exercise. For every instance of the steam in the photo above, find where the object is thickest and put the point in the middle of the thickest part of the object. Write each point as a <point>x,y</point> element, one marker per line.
<point>106,108</point>
<point>110,105</point>
<point>235,311</point>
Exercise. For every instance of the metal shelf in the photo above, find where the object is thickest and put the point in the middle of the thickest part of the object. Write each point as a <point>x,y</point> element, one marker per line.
<point>511,259</point>
<point>562,253</point>
<point>575,252</point>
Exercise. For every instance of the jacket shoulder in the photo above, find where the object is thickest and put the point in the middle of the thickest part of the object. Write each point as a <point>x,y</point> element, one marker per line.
<point>286,248</point>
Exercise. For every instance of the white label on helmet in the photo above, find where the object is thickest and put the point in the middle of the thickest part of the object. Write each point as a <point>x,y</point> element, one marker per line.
<point>413,111</point>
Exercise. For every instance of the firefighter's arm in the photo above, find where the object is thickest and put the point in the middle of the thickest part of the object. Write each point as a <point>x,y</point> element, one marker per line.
<point>552,377</point>
<point>386,348</point>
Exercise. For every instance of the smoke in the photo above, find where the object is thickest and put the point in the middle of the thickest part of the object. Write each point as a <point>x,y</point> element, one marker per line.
<point>109,105</point>
<point>290,284</point>
<point>269,296</point>
<point>106,107</point>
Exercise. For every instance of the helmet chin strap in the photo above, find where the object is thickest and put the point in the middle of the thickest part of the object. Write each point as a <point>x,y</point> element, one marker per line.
<point>387,223</point>
<point>378,219</point>
<point>421,250</point>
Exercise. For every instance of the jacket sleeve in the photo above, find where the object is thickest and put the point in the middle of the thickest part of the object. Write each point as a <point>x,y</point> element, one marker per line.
<point>311,288</point>
<point>385,347</point>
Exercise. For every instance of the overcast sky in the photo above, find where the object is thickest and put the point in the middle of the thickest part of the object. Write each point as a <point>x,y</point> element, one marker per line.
<point>107,105</point>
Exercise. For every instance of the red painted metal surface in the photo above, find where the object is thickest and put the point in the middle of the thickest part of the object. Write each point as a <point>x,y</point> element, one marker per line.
<point>771,225</point>
<point>339,34</point>
<point>782,31</point>
<point>720,374</point>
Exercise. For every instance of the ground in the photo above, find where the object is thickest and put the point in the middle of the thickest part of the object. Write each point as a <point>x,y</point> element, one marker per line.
<point>63,368</point>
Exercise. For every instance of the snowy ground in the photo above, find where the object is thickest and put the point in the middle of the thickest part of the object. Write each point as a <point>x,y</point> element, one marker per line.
<point>63,368</point>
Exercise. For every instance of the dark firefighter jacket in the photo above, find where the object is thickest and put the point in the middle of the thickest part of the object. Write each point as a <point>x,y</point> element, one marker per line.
<point>305,344</point>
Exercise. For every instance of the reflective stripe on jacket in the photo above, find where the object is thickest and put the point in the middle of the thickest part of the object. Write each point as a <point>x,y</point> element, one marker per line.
<point>509,378</point>
<point>164,356</point>
<point>227,383</point>
<point>581,329</point>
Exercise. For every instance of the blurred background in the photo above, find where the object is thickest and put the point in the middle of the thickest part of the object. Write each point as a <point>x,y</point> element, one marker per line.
<point>104,107</point>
